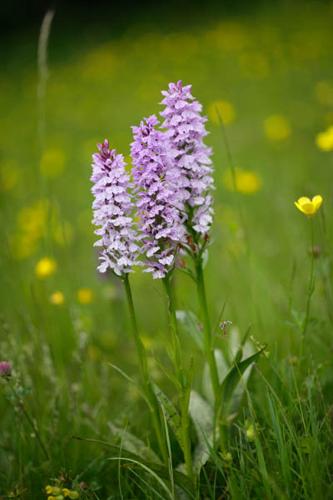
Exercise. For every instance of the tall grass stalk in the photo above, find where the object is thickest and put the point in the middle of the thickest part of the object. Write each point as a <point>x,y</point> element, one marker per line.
<point>43,73</point>
<point>20,405</point>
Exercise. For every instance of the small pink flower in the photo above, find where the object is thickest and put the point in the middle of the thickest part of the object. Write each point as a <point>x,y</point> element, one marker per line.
<point>5,369</point>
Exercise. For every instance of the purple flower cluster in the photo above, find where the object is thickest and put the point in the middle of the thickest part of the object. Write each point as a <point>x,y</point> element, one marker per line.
<point>112,209</point>
<point>185,130</point>
<point>5,369</point>
<point>160,198</point>
<point>172,174</point>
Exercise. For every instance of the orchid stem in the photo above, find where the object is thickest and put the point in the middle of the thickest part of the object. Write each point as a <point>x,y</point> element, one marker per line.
<point>179,368</point>
<point>208,340</point>
<point>149,391</point>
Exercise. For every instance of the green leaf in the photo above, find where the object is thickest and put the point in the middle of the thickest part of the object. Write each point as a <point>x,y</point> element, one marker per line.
<point>162,471</point>
<point>191,325</point>
<point>202,415</point>
<point>234,376</point>
<point>149,471</point>
<point>132,443</point>
<point>222,369</point>
<point>171,413</point>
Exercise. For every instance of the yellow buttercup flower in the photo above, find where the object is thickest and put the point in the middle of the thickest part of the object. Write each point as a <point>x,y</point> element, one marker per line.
<point>85,295</point>
<point>307,206</point>
<point>324,140</point>
<point>277,128</point>
<point>45,267</point>
<point>57,298</point>
<point>247,181</point>
<point>221,110</point>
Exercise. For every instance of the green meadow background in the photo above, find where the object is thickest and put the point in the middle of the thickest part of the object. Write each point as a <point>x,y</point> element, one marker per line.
<point>269,72</point>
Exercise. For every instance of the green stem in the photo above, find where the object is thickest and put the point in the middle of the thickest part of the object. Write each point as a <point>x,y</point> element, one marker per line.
<point>310,290</point>
<point>310,286</point>
<point>173,326</point>
<point>208,340</point>
<point>179,368</point>
<point>149,391</point>
<point>134,326</point>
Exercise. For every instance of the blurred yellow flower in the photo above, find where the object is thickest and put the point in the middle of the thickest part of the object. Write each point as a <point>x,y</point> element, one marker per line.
<point>324,140</point>
<point>45,267</point>
<point>307,206</point>
<point>58,493</point>
<point>221,109</point>
<point>52,162</point>
<point>53,490</point>
<point>85,295</point>
<point>247,181</point>
<point>57,298</point>
<point>251,432</point>
<point>31,226</point>
<point>72,494</point>
<point>9,175</point>
<point>277,128</point>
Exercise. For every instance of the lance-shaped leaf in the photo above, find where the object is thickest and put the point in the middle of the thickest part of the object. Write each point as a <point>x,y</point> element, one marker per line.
<point>231,381</point>
<point>171,414</point>
<point>222,369</point>
<point>202,415</point>
<point>120,453</point>
<point>132,443</point>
